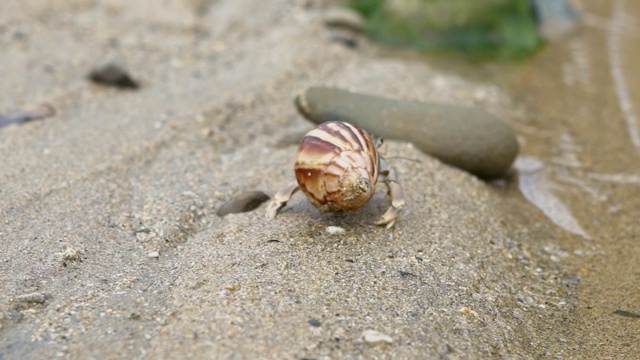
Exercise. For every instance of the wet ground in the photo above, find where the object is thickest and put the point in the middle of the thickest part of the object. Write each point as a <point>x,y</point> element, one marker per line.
<point>577,115</point>
<point>580,164</point>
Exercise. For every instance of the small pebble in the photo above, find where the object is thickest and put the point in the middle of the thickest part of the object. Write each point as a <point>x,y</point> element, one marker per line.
<point>35,112</point>
<point>314,322</point>
<point>405,274</point>
<point>153,254</point>
<point>335,230</point>
<point>71,254</point>
<point>375,337</point>
<point>113,75</point>
<point>572,281</point>
<point>247,201</point>
<point>466,311</point>
<point>142,230</point>
<point>345,18</point>
<point>35,297</point>
<point>628,314</point>
<point>345,40</point>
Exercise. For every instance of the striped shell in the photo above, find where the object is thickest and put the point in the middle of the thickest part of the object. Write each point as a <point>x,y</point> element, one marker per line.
<point>337,166</point>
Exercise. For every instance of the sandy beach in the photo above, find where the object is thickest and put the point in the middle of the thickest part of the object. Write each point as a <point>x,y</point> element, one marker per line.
<point>110,246</point>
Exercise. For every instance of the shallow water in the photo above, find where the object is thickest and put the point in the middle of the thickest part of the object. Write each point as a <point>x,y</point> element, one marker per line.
<point>580,165</point>
<point>577,117</point>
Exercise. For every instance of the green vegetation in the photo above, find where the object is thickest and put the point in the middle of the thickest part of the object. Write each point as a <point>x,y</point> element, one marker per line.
<point>503,29</point>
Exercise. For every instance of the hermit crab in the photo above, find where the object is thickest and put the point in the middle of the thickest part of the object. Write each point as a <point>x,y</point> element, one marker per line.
<point>337,168</point>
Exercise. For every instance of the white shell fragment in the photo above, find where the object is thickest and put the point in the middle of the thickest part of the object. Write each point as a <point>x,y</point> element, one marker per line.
<point>36,298</point>
<point>375,337</point>
<point>335,230</point>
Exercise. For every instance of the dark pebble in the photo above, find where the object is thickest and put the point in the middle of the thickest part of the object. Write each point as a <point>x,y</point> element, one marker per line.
<point>349,42</point>
<point>113,75</point>
<point>37,112</point>
<point>314,322</point>
<point>626,313</point>
<point>244,202</point>
<point>406,273</point>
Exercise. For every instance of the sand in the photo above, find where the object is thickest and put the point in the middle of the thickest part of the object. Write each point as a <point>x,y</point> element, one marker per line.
<point>111,246</point>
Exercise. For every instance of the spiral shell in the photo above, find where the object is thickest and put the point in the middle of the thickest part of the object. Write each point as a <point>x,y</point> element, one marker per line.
<point>337,166</point>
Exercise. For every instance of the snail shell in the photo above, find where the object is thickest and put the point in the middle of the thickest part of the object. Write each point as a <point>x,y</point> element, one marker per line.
<point>337,166</point>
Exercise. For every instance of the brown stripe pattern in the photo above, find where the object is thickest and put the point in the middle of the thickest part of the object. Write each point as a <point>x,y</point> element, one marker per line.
<point>337,166</point>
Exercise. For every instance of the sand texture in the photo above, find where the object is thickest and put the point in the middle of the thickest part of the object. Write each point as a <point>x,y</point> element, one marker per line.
<point>110,246</point>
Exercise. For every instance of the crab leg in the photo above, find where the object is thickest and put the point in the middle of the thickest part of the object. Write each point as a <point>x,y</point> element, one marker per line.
<point>280,199</point>
<point>396,195</point>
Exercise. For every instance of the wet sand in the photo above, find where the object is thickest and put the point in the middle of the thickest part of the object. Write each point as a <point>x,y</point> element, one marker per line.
<point>580,101</point>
